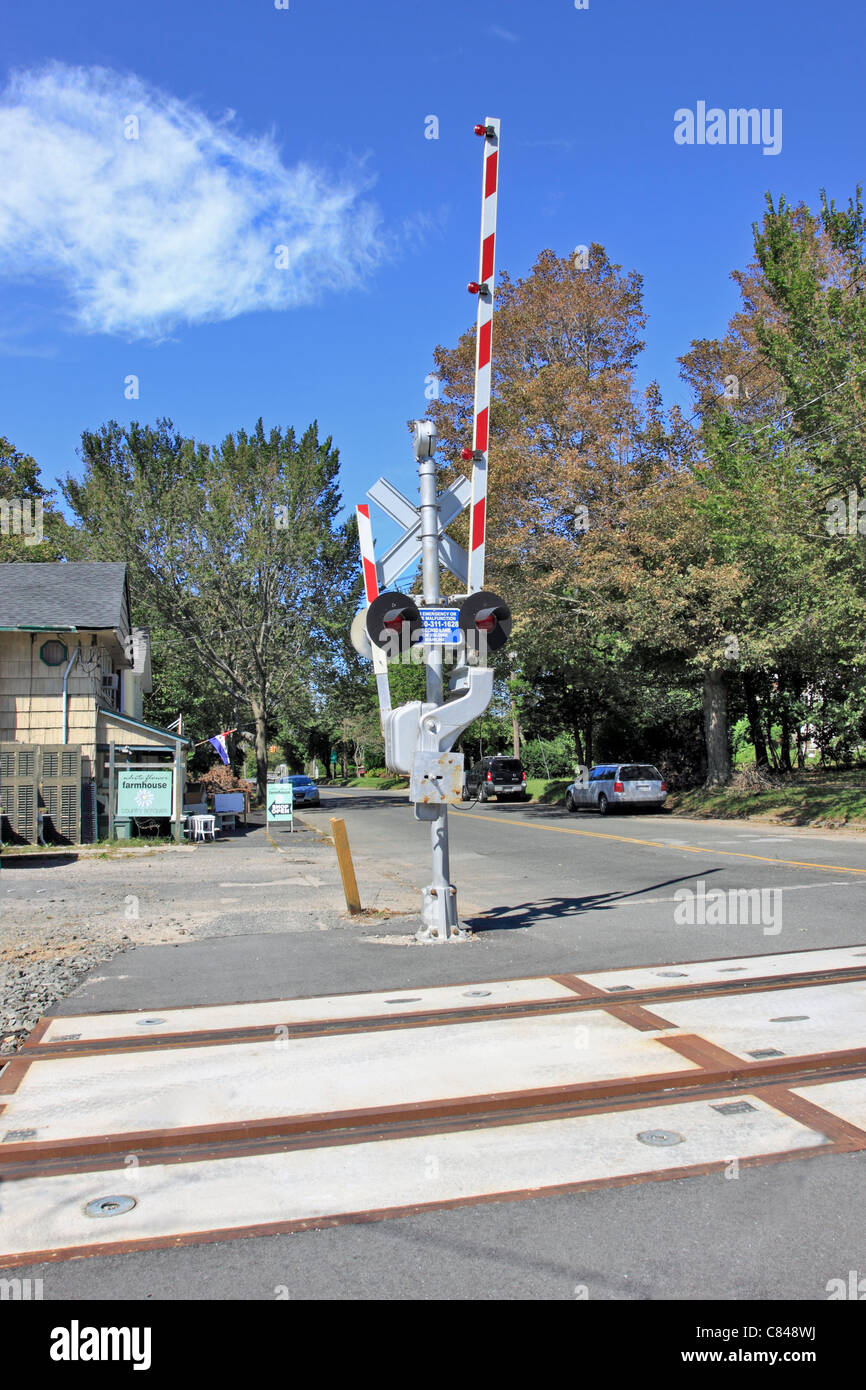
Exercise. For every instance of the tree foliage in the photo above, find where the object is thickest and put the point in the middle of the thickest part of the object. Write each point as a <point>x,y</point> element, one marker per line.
<point>237,551</point>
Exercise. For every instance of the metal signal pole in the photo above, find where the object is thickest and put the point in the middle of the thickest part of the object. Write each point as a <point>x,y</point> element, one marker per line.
<point>439,920</point>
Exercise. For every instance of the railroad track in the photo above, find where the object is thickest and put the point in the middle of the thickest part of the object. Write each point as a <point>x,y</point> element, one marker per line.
<point>145,1129</point>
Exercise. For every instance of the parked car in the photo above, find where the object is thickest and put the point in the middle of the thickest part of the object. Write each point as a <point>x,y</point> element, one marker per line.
<point>304,790</point>
<point>610,785</point>
<point>495,776</point>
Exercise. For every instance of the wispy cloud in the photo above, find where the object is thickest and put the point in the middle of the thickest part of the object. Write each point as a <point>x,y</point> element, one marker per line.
<point>505,34</point>
<point>179,225</point>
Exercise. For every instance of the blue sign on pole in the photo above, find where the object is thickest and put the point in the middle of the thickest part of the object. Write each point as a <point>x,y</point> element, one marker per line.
<point>440,627</point>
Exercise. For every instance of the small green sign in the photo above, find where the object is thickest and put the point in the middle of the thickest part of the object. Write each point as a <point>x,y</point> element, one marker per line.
<point>145,792</point>
<point>279,801</point>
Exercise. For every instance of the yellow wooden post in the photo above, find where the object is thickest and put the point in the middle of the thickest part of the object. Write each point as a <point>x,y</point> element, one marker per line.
<point>347,868</point>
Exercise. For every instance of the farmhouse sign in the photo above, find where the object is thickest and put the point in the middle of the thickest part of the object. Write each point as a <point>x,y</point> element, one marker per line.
<point>145,792</point>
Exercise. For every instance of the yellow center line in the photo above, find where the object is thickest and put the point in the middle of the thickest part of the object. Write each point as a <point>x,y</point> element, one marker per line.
<point>657,844</point>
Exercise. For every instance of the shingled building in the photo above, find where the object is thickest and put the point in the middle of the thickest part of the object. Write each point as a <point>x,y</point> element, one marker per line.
<point>73,671</point>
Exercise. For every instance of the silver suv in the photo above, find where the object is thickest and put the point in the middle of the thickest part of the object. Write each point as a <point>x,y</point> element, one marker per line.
<point>618,784</point>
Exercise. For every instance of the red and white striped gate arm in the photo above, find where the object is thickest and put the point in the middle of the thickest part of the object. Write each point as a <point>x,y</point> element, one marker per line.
<point>372,585</point>
<point>368,554</point>
<point>485,289</point>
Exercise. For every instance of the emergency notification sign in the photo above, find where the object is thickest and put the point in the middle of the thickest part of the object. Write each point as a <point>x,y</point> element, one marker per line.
<point>279,802</point>
<point>440,627</point>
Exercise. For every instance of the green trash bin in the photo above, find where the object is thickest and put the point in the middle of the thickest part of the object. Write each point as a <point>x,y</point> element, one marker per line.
<point>123,827</point>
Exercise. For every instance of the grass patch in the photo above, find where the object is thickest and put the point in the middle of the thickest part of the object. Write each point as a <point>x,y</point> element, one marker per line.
<point>98,848</point>
<point>383,784</point>
<point>547,793</point>
<point>819,797</point>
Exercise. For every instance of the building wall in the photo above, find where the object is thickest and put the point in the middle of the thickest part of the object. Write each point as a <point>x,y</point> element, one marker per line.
<point>111,731</point>
<point>31,693</point>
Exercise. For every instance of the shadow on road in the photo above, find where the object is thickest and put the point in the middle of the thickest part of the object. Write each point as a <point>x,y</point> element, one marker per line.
<point>544,810</point>
<point>375,801</point>
<point>516,917</point>
<point>42,861</point>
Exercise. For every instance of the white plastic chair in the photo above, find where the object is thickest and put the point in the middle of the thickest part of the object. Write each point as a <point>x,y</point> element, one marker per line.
<point>202,826</point>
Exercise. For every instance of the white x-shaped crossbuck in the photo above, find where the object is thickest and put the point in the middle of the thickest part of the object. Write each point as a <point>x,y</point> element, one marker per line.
<point>407,550</point>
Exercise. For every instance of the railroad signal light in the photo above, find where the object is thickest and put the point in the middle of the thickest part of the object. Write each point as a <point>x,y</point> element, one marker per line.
<point>474,287</point>
<point>424,438</point>
<point>467,455</point>
<point>485,130</point>
<point>359,636</point>
<point>393,615</point>
<point>487,614</point>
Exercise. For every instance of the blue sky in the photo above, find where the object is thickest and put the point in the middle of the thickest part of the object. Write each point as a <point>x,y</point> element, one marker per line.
<point>306,127</point>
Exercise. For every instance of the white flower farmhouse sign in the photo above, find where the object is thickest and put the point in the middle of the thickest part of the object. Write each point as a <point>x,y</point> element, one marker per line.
<point>146,792</point>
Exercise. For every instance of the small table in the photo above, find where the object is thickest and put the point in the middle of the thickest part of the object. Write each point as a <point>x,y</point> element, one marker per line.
<point>202,826</point>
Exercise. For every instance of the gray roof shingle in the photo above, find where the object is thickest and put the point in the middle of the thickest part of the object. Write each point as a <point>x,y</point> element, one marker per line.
<point>82,594</point>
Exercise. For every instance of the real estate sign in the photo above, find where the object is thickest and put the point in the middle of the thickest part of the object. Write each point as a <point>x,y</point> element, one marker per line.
<point>145,792</point>
<point>279,801</point>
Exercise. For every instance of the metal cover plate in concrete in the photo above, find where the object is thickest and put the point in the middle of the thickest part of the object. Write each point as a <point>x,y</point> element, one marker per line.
<point>324,1009</point>
<point>127,1093</point>
<point>829,1018</point>
<point>44,1216</point>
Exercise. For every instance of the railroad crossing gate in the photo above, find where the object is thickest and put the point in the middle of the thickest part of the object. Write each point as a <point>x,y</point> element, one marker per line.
<point>420,735</point>
<point>129,1131</point>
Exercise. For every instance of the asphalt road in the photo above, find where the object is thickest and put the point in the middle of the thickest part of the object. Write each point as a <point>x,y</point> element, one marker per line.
<point>579,891</point>
<point>543,892</point>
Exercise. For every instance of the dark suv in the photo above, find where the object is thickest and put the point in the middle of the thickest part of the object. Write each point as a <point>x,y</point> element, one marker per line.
<point>495,776</point>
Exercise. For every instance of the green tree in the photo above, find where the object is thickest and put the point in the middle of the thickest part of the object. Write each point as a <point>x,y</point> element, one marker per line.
<point>238,550</point>
<point>31,528</point>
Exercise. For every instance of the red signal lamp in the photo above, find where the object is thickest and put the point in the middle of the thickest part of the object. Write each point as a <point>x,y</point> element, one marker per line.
<point>389,613</point>
<point>488,613</point>
<point>484,130</point>
<point>467,455</point>
<point>475,288</point>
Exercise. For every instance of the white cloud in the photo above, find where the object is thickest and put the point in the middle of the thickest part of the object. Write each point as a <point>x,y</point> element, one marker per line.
<point>177,226</point>
<point>505,34</point>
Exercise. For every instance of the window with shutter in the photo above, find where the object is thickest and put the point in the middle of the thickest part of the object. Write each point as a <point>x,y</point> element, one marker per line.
<point>18,791</point>
<point>61,791</point>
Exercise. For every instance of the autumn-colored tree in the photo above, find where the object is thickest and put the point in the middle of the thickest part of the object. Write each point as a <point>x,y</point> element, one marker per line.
<point>562,427</point>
